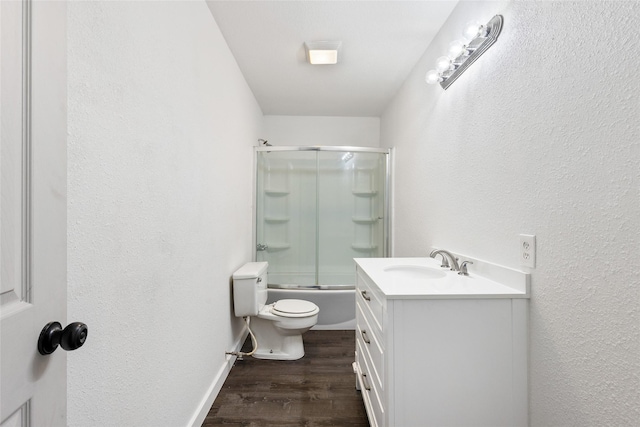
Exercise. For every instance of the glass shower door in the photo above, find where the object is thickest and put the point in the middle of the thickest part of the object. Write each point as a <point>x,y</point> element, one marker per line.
<point>316,210</point>
<point>351,201</point>
<point>286,210</point>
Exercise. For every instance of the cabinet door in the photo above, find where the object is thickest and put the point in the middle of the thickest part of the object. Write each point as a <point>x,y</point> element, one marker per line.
<point>452,362</point>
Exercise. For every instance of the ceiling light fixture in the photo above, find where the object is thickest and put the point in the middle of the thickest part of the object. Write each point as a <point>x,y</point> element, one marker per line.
<point>478,39</point>
<point>322,52</point>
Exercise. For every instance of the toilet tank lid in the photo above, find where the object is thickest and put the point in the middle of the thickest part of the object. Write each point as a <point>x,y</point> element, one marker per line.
<point>251,270</point>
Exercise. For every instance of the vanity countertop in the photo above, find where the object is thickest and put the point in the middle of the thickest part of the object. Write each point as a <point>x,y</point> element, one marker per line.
<point>423,278</point>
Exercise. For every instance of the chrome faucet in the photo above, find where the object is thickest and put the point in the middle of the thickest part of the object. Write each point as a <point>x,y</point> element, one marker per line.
<point>445,260</point>
<point>452,260</point>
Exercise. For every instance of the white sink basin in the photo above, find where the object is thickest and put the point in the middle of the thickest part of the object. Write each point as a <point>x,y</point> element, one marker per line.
<point>416,278</point>
<point>414,272</point>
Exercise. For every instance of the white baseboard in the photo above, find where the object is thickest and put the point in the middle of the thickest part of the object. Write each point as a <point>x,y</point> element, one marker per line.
<point>205,405</point>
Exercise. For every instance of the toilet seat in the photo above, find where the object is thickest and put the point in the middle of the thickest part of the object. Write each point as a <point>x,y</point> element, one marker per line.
<point>294,308</point>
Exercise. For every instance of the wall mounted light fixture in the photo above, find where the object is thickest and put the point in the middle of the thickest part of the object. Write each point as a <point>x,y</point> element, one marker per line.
<point>478,39</point>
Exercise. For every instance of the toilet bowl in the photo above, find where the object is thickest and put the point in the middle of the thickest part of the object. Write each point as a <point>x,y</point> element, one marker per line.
<point>279,333</point>
<point>278,327</point>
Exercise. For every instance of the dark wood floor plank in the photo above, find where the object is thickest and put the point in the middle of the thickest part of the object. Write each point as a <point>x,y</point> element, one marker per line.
<point>315,391</point>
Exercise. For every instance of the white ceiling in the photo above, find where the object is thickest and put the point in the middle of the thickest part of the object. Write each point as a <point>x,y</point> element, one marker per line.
<point>381,43</point>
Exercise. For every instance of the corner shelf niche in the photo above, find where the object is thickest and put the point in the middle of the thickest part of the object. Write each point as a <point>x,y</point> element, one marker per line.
<point>275,222</point>
<point>364,220</point>
<point>364,193</point>
<point>272,247</point>
<point>276,192</point>
<point>273,219</point>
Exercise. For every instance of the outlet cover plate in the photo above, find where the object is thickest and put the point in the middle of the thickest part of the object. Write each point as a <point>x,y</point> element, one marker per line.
<point>527,250</point>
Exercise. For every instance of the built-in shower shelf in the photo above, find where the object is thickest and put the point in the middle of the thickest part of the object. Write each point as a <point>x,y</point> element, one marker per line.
<point>363,220</point>
<point>365,193</point>
<point>277,246</point>
<point>363,248</point>
<point>276,192</point>
<point>274,219</point>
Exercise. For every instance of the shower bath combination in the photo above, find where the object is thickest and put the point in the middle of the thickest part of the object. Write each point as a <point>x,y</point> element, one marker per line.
<point>317,208</point>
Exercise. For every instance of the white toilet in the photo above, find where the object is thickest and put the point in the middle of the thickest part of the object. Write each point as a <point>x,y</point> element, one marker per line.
<point>278,327</point>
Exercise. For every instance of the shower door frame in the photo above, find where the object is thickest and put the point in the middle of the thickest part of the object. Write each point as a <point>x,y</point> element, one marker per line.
<point>386,224</point>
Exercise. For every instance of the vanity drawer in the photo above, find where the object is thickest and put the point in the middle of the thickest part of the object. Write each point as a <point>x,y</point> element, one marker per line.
<point>370,393</point>
<point>363,309</point>
<point>371,298</point>
<point>366,399</point>
<point>370,342</point>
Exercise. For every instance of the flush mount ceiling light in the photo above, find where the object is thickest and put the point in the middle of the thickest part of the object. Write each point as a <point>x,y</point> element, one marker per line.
<point>478,39</point>
<point>322,52</point>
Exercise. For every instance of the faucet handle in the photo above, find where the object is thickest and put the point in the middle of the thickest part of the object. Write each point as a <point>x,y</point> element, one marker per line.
<point>463,268</point>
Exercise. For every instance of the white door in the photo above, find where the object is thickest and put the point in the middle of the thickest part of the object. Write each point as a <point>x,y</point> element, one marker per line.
<point>32,210</point>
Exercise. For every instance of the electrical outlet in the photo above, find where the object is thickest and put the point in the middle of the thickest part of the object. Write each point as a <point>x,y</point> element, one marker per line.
<point>528,250</point>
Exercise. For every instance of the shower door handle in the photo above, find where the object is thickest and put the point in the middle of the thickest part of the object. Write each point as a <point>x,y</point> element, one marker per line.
<point>261,247</point>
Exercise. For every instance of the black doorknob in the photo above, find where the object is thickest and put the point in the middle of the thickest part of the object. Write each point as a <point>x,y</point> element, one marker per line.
<point>69,338</point>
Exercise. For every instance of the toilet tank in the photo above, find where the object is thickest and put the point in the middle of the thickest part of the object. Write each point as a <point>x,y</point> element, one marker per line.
<point>250,288</point>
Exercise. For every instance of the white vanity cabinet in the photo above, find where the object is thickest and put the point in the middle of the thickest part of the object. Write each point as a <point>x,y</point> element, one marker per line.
<point>428,358</point>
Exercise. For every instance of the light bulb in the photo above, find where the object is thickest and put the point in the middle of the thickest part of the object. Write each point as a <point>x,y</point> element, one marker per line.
<point>456,48</point>
<point>471,30</point>
<point>432,77</point>
<point>443,64</point>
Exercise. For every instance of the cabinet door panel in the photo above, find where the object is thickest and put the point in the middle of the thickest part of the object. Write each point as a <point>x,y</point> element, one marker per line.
<point>459,369</point>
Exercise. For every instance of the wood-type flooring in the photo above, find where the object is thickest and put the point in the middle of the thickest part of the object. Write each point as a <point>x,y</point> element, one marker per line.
<point>317,390</point>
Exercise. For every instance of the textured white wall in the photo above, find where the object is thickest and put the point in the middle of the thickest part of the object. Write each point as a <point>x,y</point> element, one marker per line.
<point>541,136</point>
<point>161,129</point>
<point>317,130</point>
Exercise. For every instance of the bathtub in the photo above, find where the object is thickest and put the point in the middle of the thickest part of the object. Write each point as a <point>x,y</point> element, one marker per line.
<point>337,307</point>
